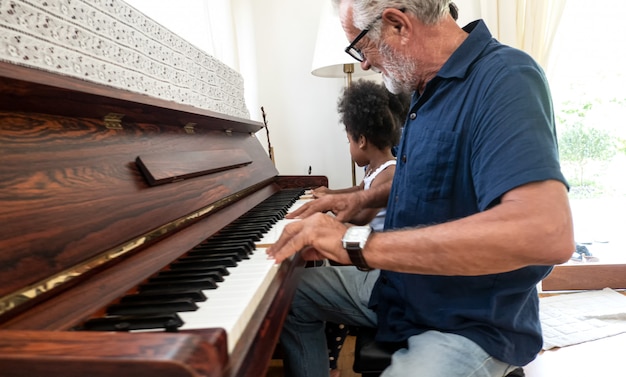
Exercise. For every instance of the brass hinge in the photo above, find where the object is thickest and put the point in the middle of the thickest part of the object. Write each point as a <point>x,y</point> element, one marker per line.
<point>113,121</point>
<point>190,128</point>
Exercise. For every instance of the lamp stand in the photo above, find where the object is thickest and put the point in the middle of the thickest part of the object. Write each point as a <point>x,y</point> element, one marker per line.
<point>348,69</point>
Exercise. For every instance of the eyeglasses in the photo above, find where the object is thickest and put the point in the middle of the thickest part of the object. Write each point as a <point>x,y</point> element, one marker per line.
<point>356,52</point>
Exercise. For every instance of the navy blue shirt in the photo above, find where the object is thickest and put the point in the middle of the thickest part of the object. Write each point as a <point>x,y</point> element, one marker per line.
<point>483,126</point>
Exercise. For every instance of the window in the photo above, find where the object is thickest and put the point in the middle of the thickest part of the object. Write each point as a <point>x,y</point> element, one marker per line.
<point>587,75</point>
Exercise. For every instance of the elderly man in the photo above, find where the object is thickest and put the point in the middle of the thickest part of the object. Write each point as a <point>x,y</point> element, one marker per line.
<point>477,215</point>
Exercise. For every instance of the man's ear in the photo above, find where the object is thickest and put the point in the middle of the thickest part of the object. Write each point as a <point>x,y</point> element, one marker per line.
<point>398,20</point>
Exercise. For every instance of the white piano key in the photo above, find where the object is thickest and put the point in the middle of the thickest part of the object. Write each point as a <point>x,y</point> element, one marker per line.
<point>273,234</point>
<point>234,302</point>
<point>298,203</point>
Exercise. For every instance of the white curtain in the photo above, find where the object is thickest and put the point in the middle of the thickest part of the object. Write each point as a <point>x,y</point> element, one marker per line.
<point>529,25</point>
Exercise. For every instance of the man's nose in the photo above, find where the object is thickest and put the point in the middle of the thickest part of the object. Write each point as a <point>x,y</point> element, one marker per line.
<point>365,65</point>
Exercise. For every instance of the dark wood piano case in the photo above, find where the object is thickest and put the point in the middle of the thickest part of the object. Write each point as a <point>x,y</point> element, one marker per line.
<point>99,189</point>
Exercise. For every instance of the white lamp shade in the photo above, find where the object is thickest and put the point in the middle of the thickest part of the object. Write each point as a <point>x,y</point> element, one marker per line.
<point>330,57</point>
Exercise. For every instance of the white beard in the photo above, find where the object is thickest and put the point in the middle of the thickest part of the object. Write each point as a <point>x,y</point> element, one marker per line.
<point>398,78</point>
<point>392,84</point>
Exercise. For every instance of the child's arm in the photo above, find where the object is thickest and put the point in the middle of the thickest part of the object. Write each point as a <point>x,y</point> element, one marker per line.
<point>366,215</point>
<point>323,190</point>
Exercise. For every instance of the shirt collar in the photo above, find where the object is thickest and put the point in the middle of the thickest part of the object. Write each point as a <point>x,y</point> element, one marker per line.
<point>470,50</point>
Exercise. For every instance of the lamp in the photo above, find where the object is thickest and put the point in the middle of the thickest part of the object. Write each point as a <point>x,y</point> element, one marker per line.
<point>330,58</point>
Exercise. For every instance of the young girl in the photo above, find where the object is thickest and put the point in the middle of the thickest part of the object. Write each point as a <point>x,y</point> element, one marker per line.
<point>373,118</point>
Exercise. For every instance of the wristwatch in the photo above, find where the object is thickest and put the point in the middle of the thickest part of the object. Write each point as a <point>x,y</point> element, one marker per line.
<point>354,241</point>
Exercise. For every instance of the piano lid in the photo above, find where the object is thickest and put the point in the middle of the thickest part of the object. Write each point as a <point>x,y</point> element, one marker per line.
<point>72,195</point>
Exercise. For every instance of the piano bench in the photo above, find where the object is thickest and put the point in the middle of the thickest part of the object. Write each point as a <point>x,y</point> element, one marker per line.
<point>371,357</point>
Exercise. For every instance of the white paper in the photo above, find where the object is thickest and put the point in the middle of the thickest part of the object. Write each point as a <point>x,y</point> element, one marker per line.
<point>574,318</point>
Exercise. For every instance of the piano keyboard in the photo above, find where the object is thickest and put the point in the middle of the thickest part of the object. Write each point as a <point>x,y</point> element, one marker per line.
<point>217,284</point>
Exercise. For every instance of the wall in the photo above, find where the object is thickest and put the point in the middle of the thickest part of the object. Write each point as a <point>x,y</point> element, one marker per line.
<point>300,107</point>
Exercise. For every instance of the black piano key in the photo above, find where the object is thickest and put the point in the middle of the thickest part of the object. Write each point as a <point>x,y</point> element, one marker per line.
<point>168,322</point>
<point>152,307</point>
<point>179,284</point>
<point>241,250</point>
<point>189,265</point>
<point>191,269</point>
<point>213,256</point>
<point>269,214</point>
<point>256,224</point>
<point>260,224</point>
<point>255,217</point>
<point>204,262</point>
<point>263,223</point>
<point>165,290</point>
<point>242,230</point>
<point>182,274</point>
<point>239,229</point>
<point>248,244</point>
<point>156,295</point>
<point>253,236</point>
<point>209,254</point>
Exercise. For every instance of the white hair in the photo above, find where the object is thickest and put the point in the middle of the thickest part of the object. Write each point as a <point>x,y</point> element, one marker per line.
<point>366,13</point>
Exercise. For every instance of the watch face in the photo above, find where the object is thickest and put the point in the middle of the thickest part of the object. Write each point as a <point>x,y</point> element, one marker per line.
<point>354,241</point>
<point>357,234</point>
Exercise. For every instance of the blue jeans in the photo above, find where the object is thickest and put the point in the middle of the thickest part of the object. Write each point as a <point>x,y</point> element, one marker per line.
<point>340,295</point>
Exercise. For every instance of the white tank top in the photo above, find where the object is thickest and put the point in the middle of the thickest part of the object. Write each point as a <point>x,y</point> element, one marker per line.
<point>377,222</point>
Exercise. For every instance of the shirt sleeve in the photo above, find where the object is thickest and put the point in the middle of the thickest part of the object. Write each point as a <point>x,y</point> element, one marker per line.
<point>514,139</point>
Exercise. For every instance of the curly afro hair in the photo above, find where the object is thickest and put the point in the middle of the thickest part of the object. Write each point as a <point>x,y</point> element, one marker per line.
<point>369,109</point>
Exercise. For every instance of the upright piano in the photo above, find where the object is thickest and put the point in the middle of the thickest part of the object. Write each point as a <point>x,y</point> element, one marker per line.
<point>105,197</point>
